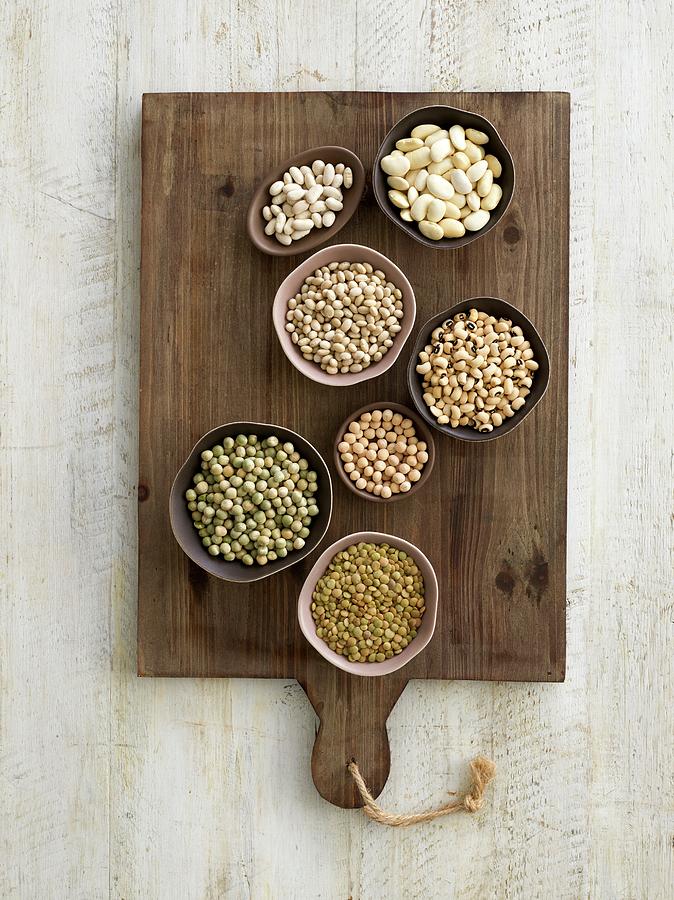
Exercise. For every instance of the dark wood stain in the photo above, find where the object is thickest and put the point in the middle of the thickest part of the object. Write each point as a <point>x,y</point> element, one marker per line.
<point>205,285</point>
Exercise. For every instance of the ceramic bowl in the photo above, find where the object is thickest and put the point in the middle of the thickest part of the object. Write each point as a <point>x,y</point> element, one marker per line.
<point>444,116</point>
<point>255,222</point>
<point>292,285</point>
<point>423,433</point>
<point>424,634</point>
<point>498,308</point>
<point>186,534</point>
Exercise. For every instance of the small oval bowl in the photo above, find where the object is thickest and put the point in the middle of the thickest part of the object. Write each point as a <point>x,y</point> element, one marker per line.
<point>186,534</point>
<point>255,222</point>
<point>444,116</point>
<point>495,307</point>
<point>292,284</point>
<point>426,628</point>
<point>423,431</point>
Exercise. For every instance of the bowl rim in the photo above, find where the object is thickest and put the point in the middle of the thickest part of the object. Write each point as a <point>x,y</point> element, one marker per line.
<point>272,247</point>
<point>419,643</point>
<point>425,433</point>
<point>313,371</point>
<point>264,571</point>
<point>461,433</point>
<point>387,209</point>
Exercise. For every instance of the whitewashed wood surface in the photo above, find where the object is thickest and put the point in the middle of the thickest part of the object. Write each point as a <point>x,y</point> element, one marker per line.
<point>111,786</point>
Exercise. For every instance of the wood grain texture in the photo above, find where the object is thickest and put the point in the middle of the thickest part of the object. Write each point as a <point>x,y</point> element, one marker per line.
<point>492,517</point>
<point>114,786</point>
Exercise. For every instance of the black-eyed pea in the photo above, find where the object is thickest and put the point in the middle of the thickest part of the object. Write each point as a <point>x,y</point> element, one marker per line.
<point>496,419</point>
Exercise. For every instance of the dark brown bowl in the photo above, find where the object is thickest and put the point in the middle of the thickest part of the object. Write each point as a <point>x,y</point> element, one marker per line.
<point>422,430</point>
<point>495,307</point>
<point>186,534</point>
<point>255,222</point>
<point>444,116</point>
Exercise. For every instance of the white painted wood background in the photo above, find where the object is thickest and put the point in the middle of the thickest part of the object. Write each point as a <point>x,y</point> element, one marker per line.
<point>111,786</point>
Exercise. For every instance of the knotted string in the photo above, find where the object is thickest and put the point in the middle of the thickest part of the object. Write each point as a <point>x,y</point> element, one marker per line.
<point>483,771</point>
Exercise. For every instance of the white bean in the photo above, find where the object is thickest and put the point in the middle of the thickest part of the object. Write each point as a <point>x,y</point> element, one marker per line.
<point>417,159</point>
<point>276,188</point>
<point>313,194</point>
<point>440,187</point>
<point>493,198</point>
<point>407,144</point>
<point>397,183</point>
<point>317,167</point>
<point>328,174</point>
<point>328,219</point>
<point>395,165</point>
<point>473,200</point>
<point>477,170</point>
<point>431,230</point>
<point>440,135</point>
<point>348,177</point>
<point>457,136</point>
<point>422,131</point>
<point>284,238</point>
<point>441,150</point>
<point>476,220</point>
<point>477,137</point>
<point>420,206</point>
<point>494,165</point>
<point>460,181</point>
<point>399,199</point>
<point>452,228</point>
<point>334,205</point>
<point>435,210</point>
<point>485,183</point>
<point>296,175</point>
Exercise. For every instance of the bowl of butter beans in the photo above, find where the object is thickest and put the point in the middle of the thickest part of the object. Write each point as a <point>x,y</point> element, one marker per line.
<point>443,175</point>
<point>370,603</point>
<point>478,369</point>
<point>384,452</point>
<point>251,499</point>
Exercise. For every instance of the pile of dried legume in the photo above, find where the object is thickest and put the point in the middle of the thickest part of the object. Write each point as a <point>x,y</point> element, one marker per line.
<point>369,604</point>
<point>253,500</point>
<point>477,371</point>
<point>345,317</point>
<point>443,180</point>
<point>305,198</point>
<point>381,454</point>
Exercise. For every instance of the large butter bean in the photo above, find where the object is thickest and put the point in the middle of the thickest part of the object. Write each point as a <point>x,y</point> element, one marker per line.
<point>398,199</point>
<point>485,183</point>
<point>457,136</point>
<point>477,137</point>
<point>431,230</point>
<point>397,183</point>
<point>396,165</point>
<point>473,200</point>
<point>407,144</point>
<point>461,161</point>
<point>438,135</point>
<point>412,195</point>
<point>460,181</point>
<point>422,131</point>
<point>473,152</point>
<point>493,198</point>
<point>452,211</point>
<point>459,200</point>
<point>476,220</point>
<point>420,180</point>
<point>451,228</point>
<point>441,149</point>
<point>420,206</point>
<point>439,168</point>
<point>494,165</point>
<point>406,215</point>
<point>419,158</point>
<point>477,170</point>
<point>435,210</point>
<point>440,187</point>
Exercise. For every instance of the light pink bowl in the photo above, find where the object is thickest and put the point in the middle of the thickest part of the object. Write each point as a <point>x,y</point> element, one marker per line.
<point>353,253</point>
<point>426,629</point>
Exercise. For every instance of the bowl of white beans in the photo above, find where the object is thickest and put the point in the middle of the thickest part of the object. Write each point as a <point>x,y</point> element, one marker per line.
<point>478,369</point>
<point>343,315</point>
<point>251,499</point>
<point>304,201</point>
<point>443,175</point>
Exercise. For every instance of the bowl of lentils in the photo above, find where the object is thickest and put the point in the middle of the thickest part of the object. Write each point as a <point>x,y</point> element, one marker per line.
<point>478,369</point>
<point>343,315</point>
<point>370,603</point>
<point>251,499</point>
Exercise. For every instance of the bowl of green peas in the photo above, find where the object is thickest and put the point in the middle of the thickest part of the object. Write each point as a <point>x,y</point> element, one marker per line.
<point>251,499</point>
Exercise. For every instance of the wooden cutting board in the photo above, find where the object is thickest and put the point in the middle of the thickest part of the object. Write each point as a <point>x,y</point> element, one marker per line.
<point>492,518</point>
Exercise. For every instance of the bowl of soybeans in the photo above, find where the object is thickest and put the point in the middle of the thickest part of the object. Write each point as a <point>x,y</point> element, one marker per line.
<point>478,369</point>
<point>304,201</point>
<point>444,175</point>
<point>370,603</point>
<point>384,452</point>
<point>251,499</point>
<point>343,315</point>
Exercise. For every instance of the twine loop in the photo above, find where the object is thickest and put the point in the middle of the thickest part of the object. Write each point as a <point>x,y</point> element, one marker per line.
<point>482,770</point>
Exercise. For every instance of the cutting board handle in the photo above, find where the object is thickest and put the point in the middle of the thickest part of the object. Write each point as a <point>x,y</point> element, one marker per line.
<point>353,711</point>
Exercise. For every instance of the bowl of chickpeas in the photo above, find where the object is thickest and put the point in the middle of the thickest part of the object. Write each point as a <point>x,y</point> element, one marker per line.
<point>383,452</point>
